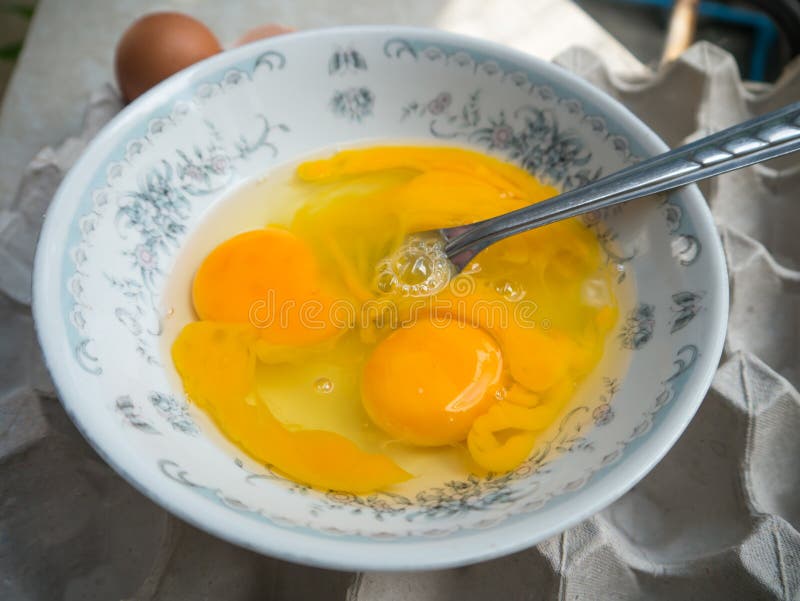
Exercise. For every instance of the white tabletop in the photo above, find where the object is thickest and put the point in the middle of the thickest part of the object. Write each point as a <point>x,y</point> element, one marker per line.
<point>70,44</point>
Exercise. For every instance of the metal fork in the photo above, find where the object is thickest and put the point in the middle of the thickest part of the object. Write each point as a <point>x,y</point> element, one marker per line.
<point>765,137</point>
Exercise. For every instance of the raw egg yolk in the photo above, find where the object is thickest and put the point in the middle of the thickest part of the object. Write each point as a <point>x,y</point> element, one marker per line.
<point>268,278</point>
<point>215,362</point>
<point>425,384</point>
<point>504,436</point>
<point>217,365</point>
<point>537,359</point>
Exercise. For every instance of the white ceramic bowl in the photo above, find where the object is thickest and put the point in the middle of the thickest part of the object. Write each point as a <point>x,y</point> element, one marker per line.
<point>124,211</point>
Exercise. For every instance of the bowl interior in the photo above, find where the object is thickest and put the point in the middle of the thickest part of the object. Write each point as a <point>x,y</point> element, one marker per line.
<point>161,168</point>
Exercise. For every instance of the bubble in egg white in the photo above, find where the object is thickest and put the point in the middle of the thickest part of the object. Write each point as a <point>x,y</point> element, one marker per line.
<point>418,268</point>
<point>323,385</point>
<point>472,268</point>
<point>511,291</point>
<point>595,293</point>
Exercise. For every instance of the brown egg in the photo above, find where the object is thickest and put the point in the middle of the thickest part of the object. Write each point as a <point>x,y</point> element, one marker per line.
<point>268,30</point>
<point>157,46</point>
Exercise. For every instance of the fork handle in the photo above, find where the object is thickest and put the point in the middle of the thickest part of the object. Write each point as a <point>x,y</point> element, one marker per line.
<point>765,137</point>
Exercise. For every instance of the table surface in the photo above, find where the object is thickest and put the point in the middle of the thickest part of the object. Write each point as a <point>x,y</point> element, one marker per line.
<point>69,49</point>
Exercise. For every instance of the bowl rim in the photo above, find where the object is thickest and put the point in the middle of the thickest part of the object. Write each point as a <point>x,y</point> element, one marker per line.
<point>318,549</point>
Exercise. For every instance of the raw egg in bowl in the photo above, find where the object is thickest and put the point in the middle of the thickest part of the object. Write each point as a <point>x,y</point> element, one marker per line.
<point>216,300</point>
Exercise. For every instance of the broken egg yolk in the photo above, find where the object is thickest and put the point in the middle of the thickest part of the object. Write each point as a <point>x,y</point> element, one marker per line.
<point>308,366</point>
<point>217,365</point>
<point>426,384</point>
<point>267,278</point>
